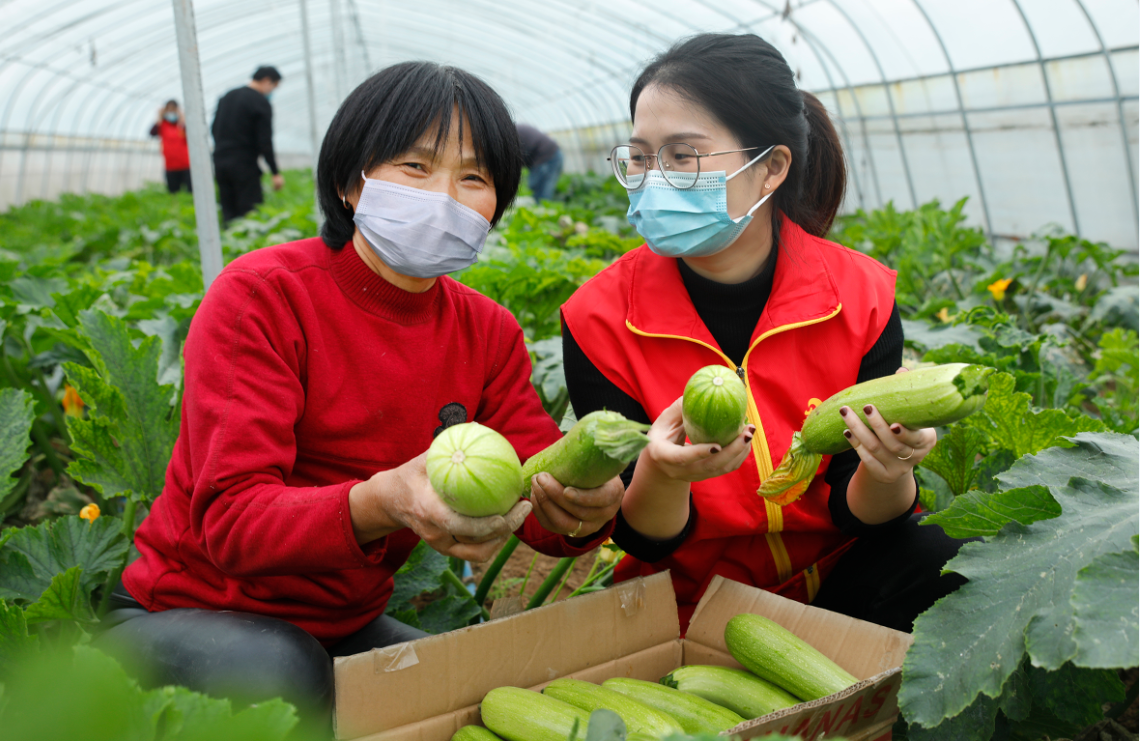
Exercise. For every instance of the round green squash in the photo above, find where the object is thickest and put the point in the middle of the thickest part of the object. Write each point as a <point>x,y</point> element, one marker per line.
<point>715,406</point>
<point>474,470</point>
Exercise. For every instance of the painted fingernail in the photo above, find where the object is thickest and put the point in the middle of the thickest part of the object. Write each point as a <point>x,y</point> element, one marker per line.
<point>868,409</point>
<point>847,434</point>
<point>843,411</point>
<point>747,439</point>
<point>715,449</point>
<point>751,429</point>
<point>897,430</point>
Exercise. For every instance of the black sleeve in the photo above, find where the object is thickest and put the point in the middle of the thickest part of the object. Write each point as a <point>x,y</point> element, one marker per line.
<point>265,136</point>
<point>590,391</point>
<point>154,130</point>
<point>883,359</point>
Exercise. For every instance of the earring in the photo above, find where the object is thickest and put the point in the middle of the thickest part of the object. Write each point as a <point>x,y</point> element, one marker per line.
<point>767,185</point>
<point>344,201</point>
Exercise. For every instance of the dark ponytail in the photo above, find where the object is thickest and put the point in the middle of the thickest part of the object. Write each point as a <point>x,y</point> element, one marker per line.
<point>744,82</point>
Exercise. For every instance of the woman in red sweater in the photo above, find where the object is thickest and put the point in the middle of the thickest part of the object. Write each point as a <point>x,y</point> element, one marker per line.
<point>317,374</point>
<point>170,128</point>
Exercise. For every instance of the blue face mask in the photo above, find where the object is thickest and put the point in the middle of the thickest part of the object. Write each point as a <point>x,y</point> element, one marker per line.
<point>269,96</point>
<point>171,117</point>
<point>693,222</point>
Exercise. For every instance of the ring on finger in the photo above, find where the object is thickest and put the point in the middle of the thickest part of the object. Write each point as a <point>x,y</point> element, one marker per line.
<point>907,457</point>
<point>574,533</point>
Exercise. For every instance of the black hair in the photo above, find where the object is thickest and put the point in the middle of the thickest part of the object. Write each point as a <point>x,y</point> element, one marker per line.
<point>171,102</point>
<point>744,82</point>
<point>389,112</point>
<point>267,71</point>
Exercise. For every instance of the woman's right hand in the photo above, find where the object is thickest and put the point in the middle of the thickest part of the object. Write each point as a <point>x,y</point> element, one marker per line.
<point>669,454</point>
<point>403,497</point>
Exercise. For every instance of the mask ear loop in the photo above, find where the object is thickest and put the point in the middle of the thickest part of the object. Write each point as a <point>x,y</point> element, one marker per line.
<point>759,203</point>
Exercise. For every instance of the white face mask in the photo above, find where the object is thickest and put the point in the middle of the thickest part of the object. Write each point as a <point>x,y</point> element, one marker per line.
<point>417,232</point>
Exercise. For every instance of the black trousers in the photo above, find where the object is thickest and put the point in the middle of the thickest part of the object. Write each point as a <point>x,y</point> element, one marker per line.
<point>176,180</point>
<point>239,190</point>
<point>244,657</point>
<point>891,576</point>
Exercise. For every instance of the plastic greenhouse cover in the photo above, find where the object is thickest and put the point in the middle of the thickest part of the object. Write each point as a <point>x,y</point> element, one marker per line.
<point>995,99</point>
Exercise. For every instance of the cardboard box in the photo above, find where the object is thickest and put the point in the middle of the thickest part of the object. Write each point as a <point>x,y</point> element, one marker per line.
<point>425,690</point>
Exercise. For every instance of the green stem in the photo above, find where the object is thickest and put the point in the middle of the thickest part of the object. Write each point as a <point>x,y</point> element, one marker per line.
<point>564,565</point>
<point>456,565</point>
<point>43,442</point>
<point>113,577</point>
<point>561,585</point>
<point>594,579</point>
<point>452,577</point>
<point>496,567</point>
<point>526,578</point>
<point>54,406</point>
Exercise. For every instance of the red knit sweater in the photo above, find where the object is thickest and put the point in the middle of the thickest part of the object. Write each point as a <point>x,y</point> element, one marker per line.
<point>306,373</point>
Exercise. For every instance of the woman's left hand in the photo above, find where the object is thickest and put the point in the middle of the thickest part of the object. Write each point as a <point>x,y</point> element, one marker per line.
<point>888,452</point>
<point>576,513</point>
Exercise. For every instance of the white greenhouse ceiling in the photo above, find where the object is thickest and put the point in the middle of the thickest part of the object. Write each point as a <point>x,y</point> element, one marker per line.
<point>1027,106</point>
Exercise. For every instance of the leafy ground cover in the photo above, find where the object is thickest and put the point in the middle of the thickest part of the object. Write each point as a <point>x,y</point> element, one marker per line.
<point>96,295</point>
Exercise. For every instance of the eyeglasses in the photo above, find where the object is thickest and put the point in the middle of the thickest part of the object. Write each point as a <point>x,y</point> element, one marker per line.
<point>680,164</point>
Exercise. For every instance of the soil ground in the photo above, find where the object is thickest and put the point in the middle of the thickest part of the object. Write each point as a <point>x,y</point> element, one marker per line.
<point>514,571</point>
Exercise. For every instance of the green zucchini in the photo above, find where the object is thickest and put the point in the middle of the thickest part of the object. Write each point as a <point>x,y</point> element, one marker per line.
<point>522,715</point>
<point>474,733</point>
<point>695,714</point>
<point>772,652</point>
<point>745,694</point>
<point>715,406</point>
<point>598,447</point>
<point>927,397</point>
<point>638,717</point>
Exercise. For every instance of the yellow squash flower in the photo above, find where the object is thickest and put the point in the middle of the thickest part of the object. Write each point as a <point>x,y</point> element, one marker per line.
<point>609,555</point>
<point>89,513</point>
<point>1082,282</point>
<point>944,315</point>
<point>998,288</point>
<point>72,402</point>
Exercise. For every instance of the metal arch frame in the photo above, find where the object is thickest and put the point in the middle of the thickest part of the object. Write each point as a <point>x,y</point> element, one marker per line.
<point>1052,117</point>
<point>1119,105</point>
<point>815,44</point>
<point>890,99</point>
<point>89,97</point>
<point>962,113</point>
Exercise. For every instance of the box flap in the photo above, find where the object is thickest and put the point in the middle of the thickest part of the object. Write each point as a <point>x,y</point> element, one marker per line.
<point>862,648</point>
<point>402,684</point>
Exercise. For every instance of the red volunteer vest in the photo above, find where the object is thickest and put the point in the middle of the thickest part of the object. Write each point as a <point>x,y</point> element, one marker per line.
<point>828,306</point>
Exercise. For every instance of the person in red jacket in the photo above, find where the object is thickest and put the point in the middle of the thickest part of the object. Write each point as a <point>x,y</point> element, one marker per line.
<point>170,128</point>
<point>317,374</point>
<point>734,178</point>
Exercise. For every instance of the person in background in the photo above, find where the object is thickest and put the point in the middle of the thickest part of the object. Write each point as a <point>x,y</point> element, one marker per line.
<point>243,129</point>
<point>543,157</point>
<point>170,128</point>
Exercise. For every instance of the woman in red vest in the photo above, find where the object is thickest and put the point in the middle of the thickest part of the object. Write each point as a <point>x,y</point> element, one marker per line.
<point>734,177</point>
<point>170,128</point>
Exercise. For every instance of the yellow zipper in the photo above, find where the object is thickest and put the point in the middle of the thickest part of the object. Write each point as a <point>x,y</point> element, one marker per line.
<point>760,451</point>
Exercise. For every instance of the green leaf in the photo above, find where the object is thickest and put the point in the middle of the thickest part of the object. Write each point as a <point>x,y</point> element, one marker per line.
<point>190,716</point>
<point>953,458</point>
<point>31,556</point>
<point>1010,424</point>
<point>127,441</point>
<point>605,725</point>
<point>17,412</point>
<point>64,599</point>
<point>1105,612</point>
<point>928,337</point>
<point>982,513</point>
<point>37,292</point>
<point>1018,597</point>
<point>451,612</point>
<point>420,573</point>
<point>15,642</point>
<point>1073,694</point>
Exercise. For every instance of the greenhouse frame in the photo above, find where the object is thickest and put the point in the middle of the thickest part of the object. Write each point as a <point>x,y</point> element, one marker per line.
<point>1029,107</point>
